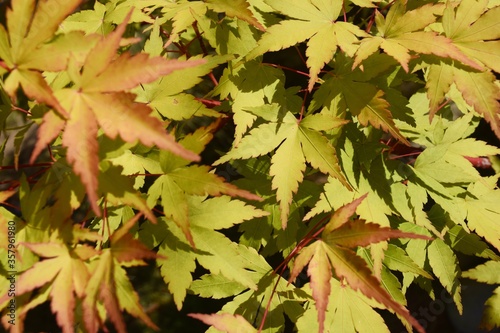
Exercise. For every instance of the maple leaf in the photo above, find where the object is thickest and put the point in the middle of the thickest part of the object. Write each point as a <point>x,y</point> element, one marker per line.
<point>214,251</point>
<point>482,212</point>
<point>348,311</point>
<point>445,266</point>
<point>333,250</point>
<point>170,101</point>
<point>98,101</point>
<point>23,50</point>
<point>475,33</point>
<point>401,31</point>
<point>474,30</point>
<point>109,283</point>
<point>185,14</point>
<point>179,181</point>
<point>314,21</point>
<point>236,8</point>
<point>300,142</point>
<point>119,190</point>
<point>238,84</point>
<point>348,89</point>
<point>226,322</point>
<point>252,303</point>
<point>65,271</point>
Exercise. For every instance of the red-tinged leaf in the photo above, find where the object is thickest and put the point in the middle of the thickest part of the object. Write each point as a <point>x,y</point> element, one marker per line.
<point>367,103</point>
<point>103,53</point>
<point>63,299</point>
<point>125,248</point>
<point>238,8</point>
<point>40,274</point>
<point>115,113</point>
<point>359,277</point>
<point>343,214</point>
<point>128,71</point>
<point>432,43</point>
<point>34,86</point>
<point>301,261</point>
<point>46,250</point>
<point>80,138</point>
<point>108,283</point>
<point>320,272</point>
<point>101,287</point>
<point>50,128</point>
<point>480,91</point>
<point>225,322</point>
<point>4,195</point>
<point>29,25</point>
<point>359,233</point>
<point>68,274</point>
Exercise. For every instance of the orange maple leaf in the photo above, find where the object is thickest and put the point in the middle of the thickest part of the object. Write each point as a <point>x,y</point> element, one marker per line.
<point>99,101</point>
<point>333,251</point>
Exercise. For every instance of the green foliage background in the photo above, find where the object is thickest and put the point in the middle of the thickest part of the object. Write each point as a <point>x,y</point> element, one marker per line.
<point>382,113</point>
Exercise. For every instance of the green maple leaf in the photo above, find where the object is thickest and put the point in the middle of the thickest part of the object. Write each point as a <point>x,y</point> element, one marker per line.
<point>444,264</point>
<point>98,100</point>
<point>333,251</point>
<point>314,21</point>
<point>249,86</point>
<point>24,52</point>
<point>282,298</point>
<point>102,17</point>
<point>469,243</point>
<point>348,311</point>
<point>373,183</point>
<point>395,258</point>
<point>170,100</point>
<point>482,212</point>
<point>119,190</point>
<point>488,272</point>
<point>179,181</point>
<point>213,251</point>
<point>65,271</point>
<point>401,31</point>
<point>216,286</point>
<point>300,142</point>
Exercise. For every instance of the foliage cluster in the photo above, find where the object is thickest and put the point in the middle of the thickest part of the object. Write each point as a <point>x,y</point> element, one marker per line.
<point>172,132</point>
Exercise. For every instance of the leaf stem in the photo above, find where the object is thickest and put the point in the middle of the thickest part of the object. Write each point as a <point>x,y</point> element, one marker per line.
<point>24,166</point>
<point>287,68</point>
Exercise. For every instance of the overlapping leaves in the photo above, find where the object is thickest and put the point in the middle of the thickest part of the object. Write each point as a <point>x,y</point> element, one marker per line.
<point>333,250</point>
<point>299,141</point>
<point>94,104</point>
<point>70,275</point>
<point>315,21</point>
